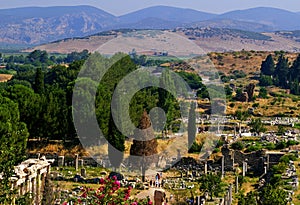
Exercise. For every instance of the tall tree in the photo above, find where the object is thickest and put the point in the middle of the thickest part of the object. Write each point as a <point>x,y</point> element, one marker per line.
<point>13,140</point>
<point>144,144</point>
<point>39,85</point>
<point>273,195</point>
<point>281,72</point>
<point>192,125</point>
<point>268,66</point>
<point>211,183</point>
<point>295,70</point>
<point>116,145</point>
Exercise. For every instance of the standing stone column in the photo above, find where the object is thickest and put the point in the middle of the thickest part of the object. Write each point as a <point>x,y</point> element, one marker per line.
<point>237,184</point>
<point>80,162</point>
<point>61,161</point>
<point>244,168</point>
<point>205,168</point>
<point>234,130</point>
<point>230,194</point>
<point>76,161</point>
<point>225,199</point>
<point>223,164</point>
<point>83,172</point>
<point>38,187</point>
<point>198,200</point>
<point>265,169</point>
<point>33,185</point>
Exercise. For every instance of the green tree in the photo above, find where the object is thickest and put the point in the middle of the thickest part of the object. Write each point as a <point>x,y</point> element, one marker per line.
<point>273,195</point>
<point>295,70</point>
<point>281,72</point>
<point>265,80</point>
<point>237,146</point>
<point>249,199</point>
<point>116,144</point>
<point>257,126</point>
<point>192,125</point>
<point>30,107</point>
<point>39,85</point>
<point>211,183</point>
<point>13,140</point>
<point>268,66</point>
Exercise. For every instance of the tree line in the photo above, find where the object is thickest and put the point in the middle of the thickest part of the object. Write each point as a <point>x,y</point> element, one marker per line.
<point>281,74</point>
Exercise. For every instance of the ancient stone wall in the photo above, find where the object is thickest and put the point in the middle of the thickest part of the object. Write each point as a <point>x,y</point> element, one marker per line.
<point>256,161</point>
<point>30,177</point>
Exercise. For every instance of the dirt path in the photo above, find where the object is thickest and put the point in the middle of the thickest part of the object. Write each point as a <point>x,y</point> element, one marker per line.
<point>150,193</point>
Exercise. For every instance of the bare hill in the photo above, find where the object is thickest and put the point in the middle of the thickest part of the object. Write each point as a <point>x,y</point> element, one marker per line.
<point>209,39</point>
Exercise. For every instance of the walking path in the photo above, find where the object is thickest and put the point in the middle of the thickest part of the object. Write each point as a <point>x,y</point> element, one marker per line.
<point>150,192</point>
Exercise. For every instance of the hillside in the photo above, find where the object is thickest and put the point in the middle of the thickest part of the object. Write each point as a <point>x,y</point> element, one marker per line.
<point>209,39</point>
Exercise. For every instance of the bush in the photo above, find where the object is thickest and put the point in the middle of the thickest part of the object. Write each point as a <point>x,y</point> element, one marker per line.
<point>265,80</point>
<point>109,192</point>
<point>281,145</point>
<point>270,146</point>
<point>195,148</point>
<point>263,93</point>
<point>253,148</point>
<point>287,158</point>
<point>237,146</point>
<point>279,168</point>
<point>216,150</point>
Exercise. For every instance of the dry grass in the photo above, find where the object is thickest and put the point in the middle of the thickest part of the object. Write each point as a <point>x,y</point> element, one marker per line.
<point>5,77</point>
<point>59,149</point>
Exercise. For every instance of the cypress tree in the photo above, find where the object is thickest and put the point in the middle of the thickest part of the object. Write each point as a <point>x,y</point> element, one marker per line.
<point>295,70</point>
<point>281,71</point>
<point>116,144</point>
<point>268,66</point>
<point>192,125</point>
<point>39,81</point>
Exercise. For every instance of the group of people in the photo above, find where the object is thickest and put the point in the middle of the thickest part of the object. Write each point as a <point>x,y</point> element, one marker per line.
<point>157,182</point>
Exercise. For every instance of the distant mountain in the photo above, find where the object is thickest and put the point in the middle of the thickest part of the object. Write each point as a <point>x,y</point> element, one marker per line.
<point>38,25</point>
<point>278,19</point>
<point>166,13</point>
<point>232,24</point>
<point>35,25</point>
<point>150,23</point>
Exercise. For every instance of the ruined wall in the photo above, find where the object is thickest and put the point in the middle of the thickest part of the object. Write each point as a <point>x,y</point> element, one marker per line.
<point>30,177</point>
<point>256,161</point>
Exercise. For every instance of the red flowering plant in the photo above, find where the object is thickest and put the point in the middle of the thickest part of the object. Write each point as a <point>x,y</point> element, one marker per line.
<point>109,193</point>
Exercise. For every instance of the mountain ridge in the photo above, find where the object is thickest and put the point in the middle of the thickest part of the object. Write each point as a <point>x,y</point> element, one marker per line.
<point>38,25</point>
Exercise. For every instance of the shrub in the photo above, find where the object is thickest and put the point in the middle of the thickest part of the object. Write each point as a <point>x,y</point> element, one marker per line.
<point>237,146</point>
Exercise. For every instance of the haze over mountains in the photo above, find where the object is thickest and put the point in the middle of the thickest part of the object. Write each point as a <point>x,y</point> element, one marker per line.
<point>36,25</point>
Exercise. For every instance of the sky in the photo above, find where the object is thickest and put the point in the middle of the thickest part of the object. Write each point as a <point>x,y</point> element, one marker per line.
<point>119,7</point>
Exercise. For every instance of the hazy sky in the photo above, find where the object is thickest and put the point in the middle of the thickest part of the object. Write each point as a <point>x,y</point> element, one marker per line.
<point>118,7</point>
